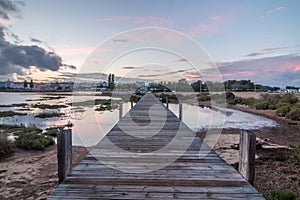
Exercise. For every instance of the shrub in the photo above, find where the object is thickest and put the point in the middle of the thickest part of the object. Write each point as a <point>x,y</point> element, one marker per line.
<point>262,105</point>
<point>6,146</point>
<point>283,195</point>
<point>33,141</point>
<point>203,97</point>
<point>48,115</point>
<point>10,114</point>
<point>294,115</point>
<point>289,98</point>
<point>52,131</point>
<point>249,101</point>
<point>297,157</point>
<point>283,111</point>
<point>230,96</point>
<point>48,106</point>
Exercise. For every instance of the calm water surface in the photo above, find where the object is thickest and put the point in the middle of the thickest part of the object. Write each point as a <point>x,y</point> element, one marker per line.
<point>90,125</point>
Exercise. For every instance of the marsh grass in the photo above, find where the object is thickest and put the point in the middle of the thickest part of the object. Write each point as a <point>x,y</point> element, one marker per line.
<point>48,115</point>
<point>48,106</point>
<point>11,114</point>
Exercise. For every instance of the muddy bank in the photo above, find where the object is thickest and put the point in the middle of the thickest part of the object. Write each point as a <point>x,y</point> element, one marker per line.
<point>32,174</point>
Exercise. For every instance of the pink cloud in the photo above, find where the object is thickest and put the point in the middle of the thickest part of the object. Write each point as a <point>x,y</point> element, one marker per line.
<point>182,60</point>
<point>131,67</point>
<point>145,21</point>
<point>297,68</point>
<point>67,50</point>
<point>209,27</point>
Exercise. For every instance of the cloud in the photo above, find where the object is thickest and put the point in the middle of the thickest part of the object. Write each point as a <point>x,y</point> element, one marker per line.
<point>254,54</point>
<point>163,74</point>
<point>8,8</point>
<point>16,58</point>
<point>120,40</point>
<point>131,67</point>
<point>272,11</point>
<point>267,70</point>
<point>182,60</point>
<point>265,51</point>
<point>211,26</point>
<point>36,40</point>
<point>141,21</point>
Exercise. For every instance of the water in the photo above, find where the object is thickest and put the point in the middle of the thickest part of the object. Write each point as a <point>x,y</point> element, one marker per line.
<point>90,125</point>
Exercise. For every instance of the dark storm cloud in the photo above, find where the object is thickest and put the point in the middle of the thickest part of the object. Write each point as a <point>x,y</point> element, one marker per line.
<point>36,40</point>
<point>15,58</point>
<point>9,7</point>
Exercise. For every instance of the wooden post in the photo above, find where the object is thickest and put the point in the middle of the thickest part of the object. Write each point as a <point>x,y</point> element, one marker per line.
<point>120,111</point>
<point>64,154</point>
<point>247,155</point>
<point>180,111</point>
<point>167,102</point>
<point>131,103</point>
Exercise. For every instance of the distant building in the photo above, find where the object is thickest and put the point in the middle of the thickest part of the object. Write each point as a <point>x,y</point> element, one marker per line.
<point>293,90</point>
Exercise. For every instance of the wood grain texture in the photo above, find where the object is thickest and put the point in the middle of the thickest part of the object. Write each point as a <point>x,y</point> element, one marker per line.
<point>194,174</point>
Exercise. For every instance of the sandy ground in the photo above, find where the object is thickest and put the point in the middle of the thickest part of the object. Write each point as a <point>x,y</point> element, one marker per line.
<point>32,174</point>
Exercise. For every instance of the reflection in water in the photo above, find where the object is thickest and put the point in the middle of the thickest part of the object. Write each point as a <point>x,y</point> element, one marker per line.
<point>92,118</point>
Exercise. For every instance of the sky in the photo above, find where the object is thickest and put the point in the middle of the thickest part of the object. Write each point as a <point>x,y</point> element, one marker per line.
<point>256,40</point>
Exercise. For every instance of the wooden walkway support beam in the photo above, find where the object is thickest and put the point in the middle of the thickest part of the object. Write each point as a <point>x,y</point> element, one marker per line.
<point>247,155</point>
<point>64,154</point>
<point>120,110</point>
<point>180,111</point>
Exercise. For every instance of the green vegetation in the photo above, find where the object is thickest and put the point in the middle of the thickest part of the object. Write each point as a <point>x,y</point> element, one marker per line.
<point>297,155</point>
<point>15,105</point>
<point>10,114</point>
<point>48,115</point>
<point>283,195</point>
<point>286,105</point>
<point>53,131</point>
<point>294,114</point>
<point>203,96</point>
<point>27,137</point>
<point>6,146</point>
<point>33,141</point>
<point>48,106</point>
<point>101,104</point>
<point>46,98</point>
<point>18,129</point>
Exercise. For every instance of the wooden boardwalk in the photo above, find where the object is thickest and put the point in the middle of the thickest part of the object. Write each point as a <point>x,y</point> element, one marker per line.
<point>151,154</point>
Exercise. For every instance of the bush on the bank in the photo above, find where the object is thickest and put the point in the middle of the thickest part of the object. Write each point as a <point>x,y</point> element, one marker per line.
<point>261,105</point>
<point>203,97</point>
<point>294,114</point>
<point>229,96</point>
<point>6,146</point>
<point>283,111</point>
<point>33,141</point>
<point>282,195</point>
<point>53,131</point>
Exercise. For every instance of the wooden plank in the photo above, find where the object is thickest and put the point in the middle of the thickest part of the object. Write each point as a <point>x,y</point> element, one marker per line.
<point>247,155</point>
<point>64,154</point>
<point>194,174</point>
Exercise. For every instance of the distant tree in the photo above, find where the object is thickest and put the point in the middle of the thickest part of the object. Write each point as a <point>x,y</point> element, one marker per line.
<point>112,85</point>
<point>31,84</point>
<point>25,84</point>
<point>109,81</point>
